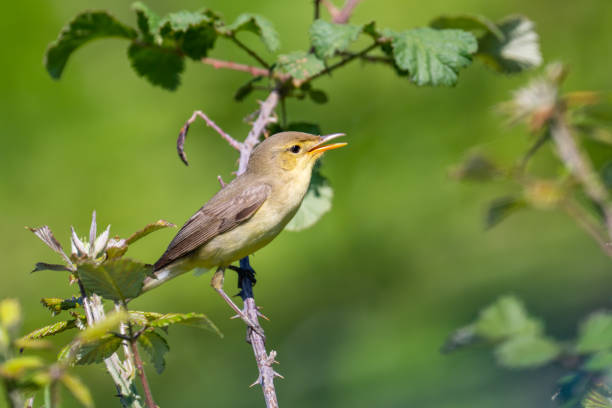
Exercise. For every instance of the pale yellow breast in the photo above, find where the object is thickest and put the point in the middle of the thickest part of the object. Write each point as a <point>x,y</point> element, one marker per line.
<point>257,231</point>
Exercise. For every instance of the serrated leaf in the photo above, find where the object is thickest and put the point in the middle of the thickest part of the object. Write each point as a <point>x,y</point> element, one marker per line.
<point>317,201</point>
<point>156,346</point>
<point>193,32</point>
<point>187,319</point>
<point>527,351</point>
<point>56,305</point>
<point>96,351</point>
<point>500,208</point>
<point>318,96</point>
<point>330,38</point>
<point>148,21</point>
<point>476,24</point>
<point>161,66</point>
<point>505,318</point>
<point>51,329</point>
<point>258,25</point>
<point>516,51</point>
<point>10,314</point>
<point>595,333</point>
<point>299,65</point>
<point>15,367</point>
<point>77,389</point>
<point>102,327</point>
<point>156,226</point>
<point>595,399</point>
<point>143,318</point>
<point>432,57</point>
<point>85,27</point>
<point>602,360</point>
<point>117,279</point>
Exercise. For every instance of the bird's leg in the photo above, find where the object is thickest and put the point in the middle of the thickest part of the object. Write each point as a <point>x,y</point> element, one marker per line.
<point>217,284</point>
<point>246,281</point>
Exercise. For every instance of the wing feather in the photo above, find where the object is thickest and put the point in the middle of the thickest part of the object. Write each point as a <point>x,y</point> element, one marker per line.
<point>221,214</point>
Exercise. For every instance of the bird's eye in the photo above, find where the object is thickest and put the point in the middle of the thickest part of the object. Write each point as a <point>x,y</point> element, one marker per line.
<point>294,149</point>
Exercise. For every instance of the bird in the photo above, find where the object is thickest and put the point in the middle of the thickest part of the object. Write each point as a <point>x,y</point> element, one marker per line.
<point>248,213</point>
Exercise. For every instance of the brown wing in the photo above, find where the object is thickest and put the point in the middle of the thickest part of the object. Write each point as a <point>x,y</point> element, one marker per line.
<point>222,213</point>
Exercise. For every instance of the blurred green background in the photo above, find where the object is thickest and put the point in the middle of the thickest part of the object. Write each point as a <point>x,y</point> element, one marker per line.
<point>360,303</point>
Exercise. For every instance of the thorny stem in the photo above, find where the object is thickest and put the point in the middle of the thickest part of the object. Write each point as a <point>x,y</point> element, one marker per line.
<point>250,52</point>
<point>143,376</point>
<point>94,311</point>
<point>580,167</point>
<point>583,219</point>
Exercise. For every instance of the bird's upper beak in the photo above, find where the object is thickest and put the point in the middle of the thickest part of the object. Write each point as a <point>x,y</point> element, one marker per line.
<point>322,147</point>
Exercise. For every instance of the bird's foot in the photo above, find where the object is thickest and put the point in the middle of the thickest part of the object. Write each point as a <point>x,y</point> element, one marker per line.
<point>246,280</point>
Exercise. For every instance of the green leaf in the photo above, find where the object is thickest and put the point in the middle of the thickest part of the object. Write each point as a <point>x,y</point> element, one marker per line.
<point>56,305</point>
<point>156,346</point>
<point>161,66</point>
<point>476,24</point>
<point>97,351</point>
<point>85,27</point>
<point>246,89</point>
<point>516,51</point>
<point>330,38</point>
<point>432,57</point>
<point>77,389</point>
<point>187,319</point>
<point>42,266</point>
<point>475,167</point>
<point>156,226</point>
<point>259,26</point>
<point>600,361</point>
<point>527,351</point>
<point>318,96</point>
<point>505,318</point>
<point>500,208</point>
<point>595,333</point>
<point>193,32</point>
<point>117,279</point>
<point>15,367</point>
<point>299,65</point>
<point>595,399</point>
<point>316,203</point>
<point>143,318</point>
<point>148,21</point>
<point>51,329</point>
<point>101,328</point>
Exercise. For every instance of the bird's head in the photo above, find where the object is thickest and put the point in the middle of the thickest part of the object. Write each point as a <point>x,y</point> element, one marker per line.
<point>290,152</point>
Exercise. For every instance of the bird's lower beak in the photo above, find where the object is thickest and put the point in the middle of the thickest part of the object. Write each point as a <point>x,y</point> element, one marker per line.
<point>322,147</point>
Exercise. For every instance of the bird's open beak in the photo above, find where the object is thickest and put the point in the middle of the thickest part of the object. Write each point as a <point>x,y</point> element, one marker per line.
<point>322,147</point>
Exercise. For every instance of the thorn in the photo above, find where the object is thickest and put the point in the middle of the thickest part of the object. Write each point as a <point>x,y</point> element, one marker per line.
<point>278,375</point>
<point>263,316</point>
<point>257,381</point>
<point>235,317</point>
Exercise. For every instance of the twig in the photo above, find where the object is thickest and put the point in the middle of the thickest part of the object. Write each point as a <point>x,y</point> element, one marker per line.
<point>370,58</point>
<point>340,63</point>
<point>250,52</point>
<point>317,9</point>
<point>583,220</point>
<point>143,376</point>
<point>343,15</point>
<point>180,143</point>
<point>216,63</point>
<point>580,166</point>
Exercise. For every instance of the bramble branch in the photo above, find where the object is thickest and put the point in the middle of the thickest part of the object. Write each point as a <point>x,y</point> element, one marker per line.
<point>580,167</point>
<point>340,16</point>
<point>249,51</point>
